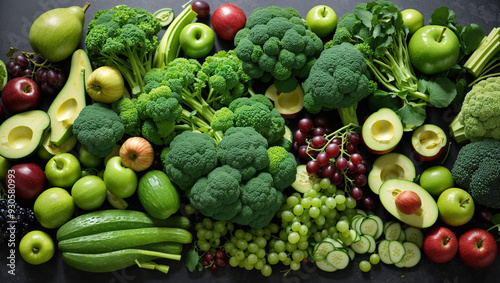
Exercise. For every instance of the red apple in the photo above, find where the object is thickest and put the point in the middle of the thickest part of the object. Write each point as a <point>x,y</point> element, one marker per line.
<point>440,244</point>
<point>408,202</point>
<point>28,179</point>
<point>21,94</point>
<point>477,248</point>
<point>137,154</point>
<point>227,20</point>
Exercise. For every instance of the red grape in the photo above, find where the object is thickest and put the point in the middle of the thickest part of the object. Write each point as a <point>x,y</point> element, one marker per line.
<point>300,136</point>
<point>52,77</point>
<point>337,140</point>
<point>319,131</point>
<point>356,193</point>
<point>21,61</point>
<point>337,178</point>
<point>328,130</point>
<point>353,137</point>
<point>201,8</point>
<point>220,262</point>
<point>360,180</point>
<point>328,171</point>
<point>209,256</point>
<point>351,167</point>
<point>321,121</point>
<point>10,65</point>
<point>219,254</point>
<point>16,71</point>
<point>302,152</point>
<point>213,266</point>
<point>322,159</point>
<point>332,150</point>
<point>318,141</point>
<point>206,263</point>
<point>305,125</point>
<point>368,203</point>
<point>351,148</point>
<point>341,163</point>
<point>485,214</point>
<point>356,158</point>
<point>312,167</point>
<point>361,169</point>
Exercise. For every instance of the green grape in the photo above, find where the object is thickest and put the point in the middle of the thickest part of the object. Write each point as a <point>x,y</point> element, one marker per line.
<point>228,246</point>
<point>341,207</point>
<point>242,244</point>
<point>314,212</point>
<point>298,209</point>
<point>282,256</point>
<point>274,228</point>
<point>233,251</point>
<point>208,234</point>
<point>324,233</point>
<point>323,210</point>
<point>335,235</point>
<point>252,247</point>
<point>279,246</point>
<point>330,202</point>
<point>233,261</point>
<point>252,259</point>
<point>295,226</point>
<point>291,247</point>
<point>303,245</point>
<point>306,203</point>
<point>316,187</point>
<point>189,209</point>
<point>311,193</point>
<point>340,199</point>
<point>316,202</point>
<point>350,202</point>
<point>298,255</point>
<point>215,234</point>
<point>323,198</point>
<point>248,236</point>
<point>292,201</point>
<point>248,265</point>
<point>344,218</point>
<point>259,232</point>
<point>325,183</point>
<point>200,234</point>
<point>204,245</point>
<point>261,253</point>
<point>198,226</point>
<point>207,222</point>
<point>320,220</point>
<point>215,242</point>
<point>332,189</point>
<point>260,264</point>
<point>272,258</point>
<point>332,214</point>
<point>261,242</point>
<point>340,193</point>
<point>220,226</point>
<point>365,266</point>
<point>303,229</point>
<point>317,237</point>
<point>342,226</point>
<point>266,270</point>
<point>240,255</point>
<point>307,223</point>
<point>374,259</point>
<point>239,234</point>
<point>332,230</point>
<point>287,261</point>
<point>230,226</point>
<point>293,237</point>
<point>295,265</point>
<point>283,235</point>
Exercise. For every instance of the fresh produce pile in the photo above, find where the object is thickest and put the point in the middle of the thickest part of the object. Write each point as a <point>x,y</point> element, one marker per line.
<point>153,148</point>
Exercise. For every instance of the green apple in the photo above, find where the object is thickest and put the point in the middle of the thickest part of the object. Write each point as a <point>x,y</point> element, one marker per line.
<point>36,247</point>
<point>456,206</point>
<point>63,170</point>
<point>413,19</point>
<point>322,20</point>
<point>89,192</point>
<point>87,159</point>
<point>197,40</point>
<point>120,180</point>
<point>436,179</point>
<point>433,49</point>
<point>54,207</point>
<point>4,167</point>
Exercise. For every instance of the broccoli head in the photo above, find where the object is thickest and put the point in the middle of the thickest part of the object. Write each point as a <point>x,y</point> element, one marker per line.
<point>245,149</point>
<point>477,170</point>
<point>260,200</point>
<point>282,166</point>
<point>191,155</point>
<point>98,128</point>
<point>218,194</point>
<point>127,111</point>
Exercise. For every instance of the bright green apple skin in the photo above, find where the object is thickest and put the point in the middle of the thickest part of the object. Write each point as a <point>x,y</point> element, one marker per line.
<point>4,167</point>
<point>413,19</point>
<point>36,247</point>
<point>119,180</point>
<point>322,20</point>
<point>54,207</point>
<point>63,170</point>
<point>87,159</point>
<point>456,206</point>
<point>197,40</point>
<point>430,56</point>
<point>89,192</point>
<point>436,179</point>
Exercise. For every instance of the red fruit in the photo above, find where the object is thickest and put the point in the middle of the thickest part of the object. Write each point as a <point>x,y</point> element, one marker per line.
<point>227,20</point>
<point>477,248</point>
<point>440,244</point>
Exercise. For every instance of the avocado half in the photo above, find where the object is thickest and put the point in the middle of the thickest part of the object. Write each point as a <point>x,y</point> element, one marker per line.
<point>427,214</point>
<point>390,166</point>
<point>22,133</point>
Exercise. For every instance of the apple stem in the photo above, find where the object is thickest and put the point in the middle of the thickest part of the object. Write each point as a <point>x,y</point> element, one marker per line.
<point>85,7</point>
<point>441,35</point>
<point>35,250</point>
<point>466,200</point>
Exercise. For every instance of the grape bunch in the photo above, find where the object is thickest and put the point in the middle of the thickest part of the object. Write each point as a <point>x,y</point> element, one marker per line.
<point>332,154</point>
<point>50,80</point>
<point>20,222</point>
<point>19,66</point>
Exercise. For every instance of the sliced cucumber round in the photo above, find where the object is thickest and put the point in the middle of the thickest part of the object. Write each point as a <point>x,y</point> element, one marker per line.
<point>396,251</point>
<point>414,235</point>
<point>338,258</point>
<point>383,251</point>
<point>412,255</point>
<point>362,246</point>
<point>165,16</point>
<point>393,231</point>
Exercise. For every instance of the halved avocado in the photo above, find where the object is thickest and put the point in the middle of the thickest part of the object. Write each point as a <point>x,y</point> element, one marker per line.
<point>71,99</point>
<point>52,149</point>
<point>428,142</point>
<point>390,166</point>
<point>427,214</point>
<point>288,104</point>
<point>382,131</point>
<point>21,134</point>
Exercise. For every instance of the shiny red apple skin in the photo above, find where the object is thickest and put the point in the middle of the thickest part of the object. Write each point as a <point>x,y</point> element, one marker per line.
<point>408,202</point>
<point>21,94</point>
<point>477,248</point>
<point>440,244</point>
<point>137,154</point>
<point>27,178</point>
<point>227,20</point>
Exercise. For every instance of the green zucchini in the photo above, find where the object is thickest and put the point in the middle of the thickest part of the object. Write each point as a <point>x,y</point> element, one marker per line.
<point>112,261</point>
<point>158,195</point>
<point>124,239</point>
<point>115,219</point>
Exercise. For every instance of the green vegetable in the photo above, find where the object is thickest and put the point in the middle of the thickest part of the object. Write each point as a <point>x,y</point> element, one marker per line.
<point>479,117</point>
<point>165,16</point>
<point>476,170</point>
<point>98,129</point>
<point>124,38</point>
<point>158,195</point>
<point>338,80</point>
<point>486,57</point>
<point>3,74</point>
<point>277,44</point>
<point>112,261</point>
<point>282,166</point>
<point>123,239</point>
<point>114,219</point>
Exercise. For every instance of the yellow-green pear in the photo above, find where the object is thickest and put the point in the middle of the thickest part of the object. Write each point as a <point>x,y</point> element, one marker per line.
<point>56,34</point>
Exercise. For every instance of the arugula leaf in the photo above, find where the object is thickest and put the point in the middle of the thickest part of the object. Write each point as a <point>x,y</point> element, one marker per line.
<point>410,116</point>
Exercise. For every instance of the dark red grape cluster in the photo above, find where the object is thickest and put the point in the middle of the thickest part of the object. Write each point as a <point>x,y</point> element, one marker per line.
<point>332,154</point>
<point>50,81</point>
<point>19,66</point>
<point>214,260</point>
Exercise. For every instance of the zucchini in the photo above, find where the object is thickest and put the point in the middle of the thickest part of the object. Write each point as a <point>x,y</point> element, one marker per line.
<point>158,195</point>
<point>124,239</point>
<point>114,219</point>
<point>112,261</point>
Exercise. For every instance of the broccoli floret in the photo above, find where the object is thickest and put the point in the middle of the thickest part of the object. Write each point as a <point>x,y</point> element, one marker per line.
<point>158,133</point>
<point>276,129</point>
<point>477,170</point>
<point>191,156</point>
<point>98,128</point>
<point>282,166</point>
<point>218,194</point>
<point>260,201</point>
<point>223,119</point>
<point>127,111</point>
<point>245,149</point>
<point>479,117</point>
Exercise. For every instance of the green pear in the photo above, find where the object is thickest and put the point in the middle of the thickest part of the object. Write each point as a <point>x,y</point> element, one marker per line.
<point>56,34</point>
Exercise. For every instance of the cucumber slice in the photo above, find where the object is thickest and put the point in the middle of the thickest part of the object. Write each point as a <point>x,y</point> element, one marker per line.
<point>165,16</point>
<point>362,246</point>
<point>369,227</point>
<point>288,134</point>
<point>355,237</point>
<point>393,231</point>
<point>359,211</point>
<point>396,251</point>
<point>303,180</point>
<point>338,258</point>
<point>412,255</point>
<point>380,224</point>
<point>325,266</point>
<point>373,244</point>
<point>402,236</point>
<point>322,250</point>
<point>414,235</point>
<point>383,251</point>
<point>351,253</point>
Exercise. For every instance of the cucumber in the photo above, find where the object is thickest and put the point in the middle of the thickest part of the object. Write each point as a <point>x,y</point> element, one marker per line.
<point>414,235</point>
<point>369,227</point>
<point>355,236</point>
<point>351,253</point>
<point>383,251</point>
<point>124,239</point>
<point>373,244</point>
<point>325,266</point>
<point>114,219</point>
<point>412,255</point>
<point>393,231</point>
<point>362,246</point>
<point>158,195</point>
<point>322,250</point>
<point>338,258</point>
<point>162,247</point>
<point>112,261</point>
<point>380,224</point>
<point>396,251</point>
<point>303,180</point>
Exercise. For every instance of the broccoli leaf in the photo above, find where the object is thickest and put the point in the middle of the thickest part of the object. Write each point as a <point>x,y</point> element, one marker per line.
<point>441,91</point>
<point>411,117</point>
